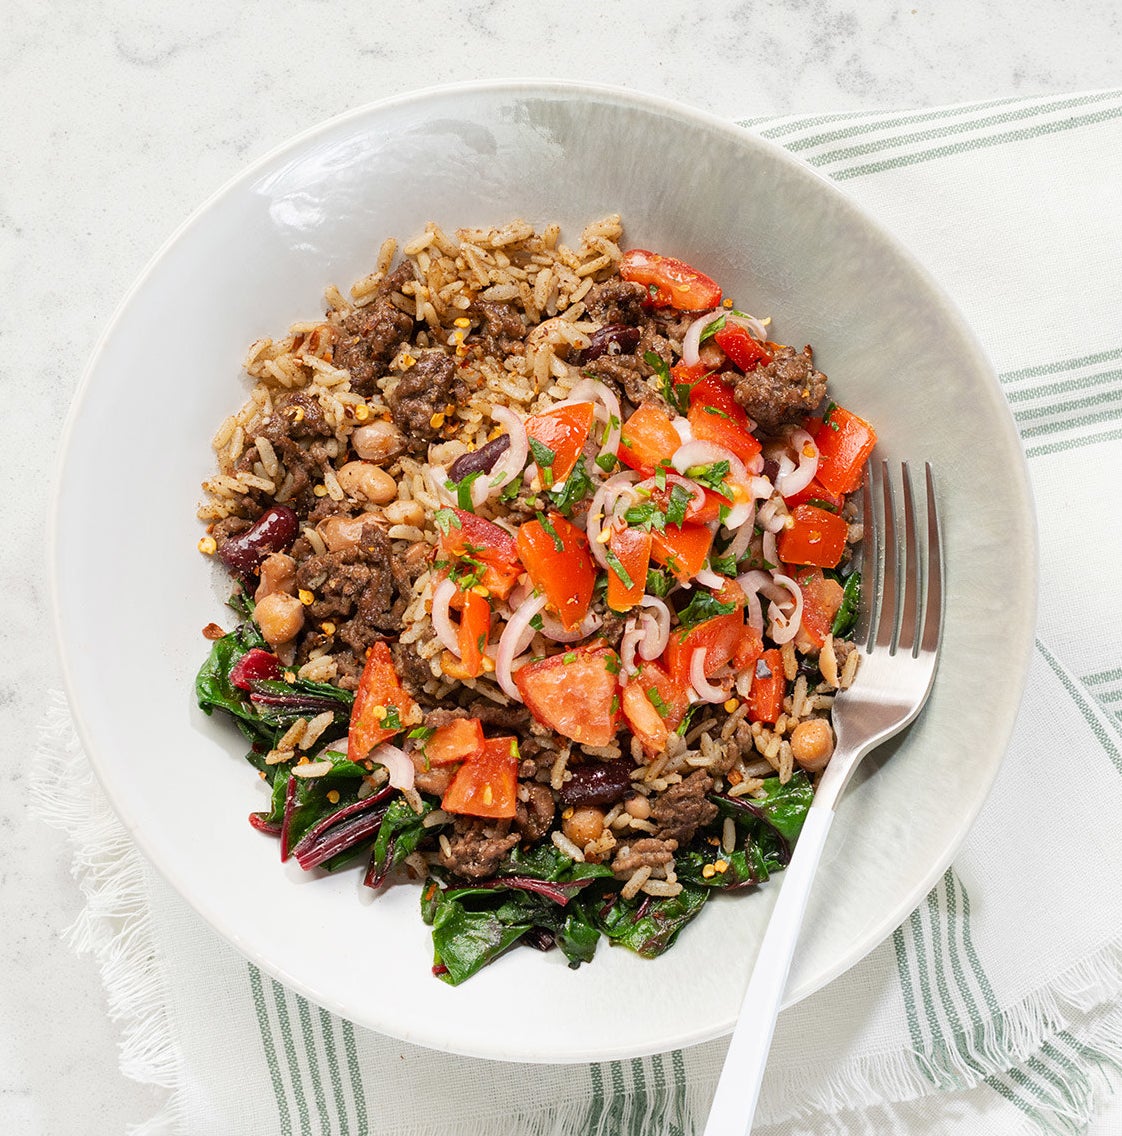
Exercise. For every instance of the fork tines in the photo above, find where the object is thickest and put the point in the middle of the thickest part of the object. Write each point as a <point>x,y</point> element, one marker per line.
<point>902,565</point>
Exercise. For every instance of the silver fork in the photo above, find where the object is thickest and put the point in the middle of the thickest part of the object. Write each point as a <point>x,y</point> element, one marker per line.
<point>898,637</point>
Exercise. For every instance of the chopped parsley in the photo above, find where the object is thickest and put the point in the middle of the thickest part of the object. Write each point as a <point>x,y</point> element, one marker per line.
<point>646,516</point>
<point>612,664</point>
<point>659,582</point>
<point>545,458</point>
<point>510,490</point>
<point>830,408</point>
<point>725,565</point>
<point>607,462</point>
<point>392,720</point>
<point>577,486</point>
<point>677,505</point>
<point>543,520</point>
<point>536,621</point>
<point>711,329</point>
<point>463,491</point>
<point>712,476</point>
<point>618,568</point>
<point>704,605</point>
<point>421,733</point>
<point>446,520</point>
<point>657,701</point>
<point>677,395</point>
<point>569,657</point>
<point>818,503</point>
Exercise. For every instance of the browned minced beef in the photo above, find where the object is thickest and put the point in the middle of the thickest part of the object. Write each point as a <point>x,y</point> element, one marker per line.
<point>786,390</point>
<point>477,847</point>
<point>502,329</point>
<point>611,630</point>
<point>616,301</point>
<point>515,718</point>
<point>370,336</point>
<point>534,817</point>
<point>684,808</point>
<point>431,384</point>
<point>626,376</point>
<point>413,671</point>
<point>649,852</point>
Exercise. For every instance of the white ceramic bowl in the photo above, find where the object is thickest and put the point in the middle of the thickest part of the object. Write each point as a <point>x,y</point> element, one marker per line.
<point>131,593</point>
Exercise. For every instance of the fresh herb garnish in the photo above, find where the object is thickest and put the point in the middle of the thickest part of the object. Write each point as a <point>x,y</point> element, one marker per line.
<point>659,582</point>
<point>657,701</point>
<point>829,506</point>
<point>725,565</point>
<point>607,462</point>
<point>851,601</point>
<point>711,329</point>
<point>463,491</point>
<point>543,520</point>
<point>677,505</point>
<point>545,458</point>
<point>577,486</point>
<point>830,408</point>
<point>618,568</point>
<point>677,395</point>
<point>646,515</point>
<point>612,664</point>
<point>421,733</point>
<point>536,621</point>
<point>510,490</point>
<point>446,520</point>
<point>712,476</point>
<point>704,605</point>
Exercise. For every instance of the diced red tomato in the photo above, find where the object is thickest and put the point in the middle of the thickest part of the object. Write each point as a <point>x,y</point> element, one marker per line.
<point>816,537</point>
<point>492,546</point>
<point>486,785</point>
<point>739,345</point>
<point>563,432</point>
<point>765,699</point>
<point>716,416</point>
<point>749,647</point>
<point>458,740</point>
<point>648,437</point>
<point>821,599</point>
<point>681,548</point>
<point>575,693</point>
<point>256,665</point>
<point>719,637</point>
<point>670,282</point>
<point>565,574</point>
<point>683,374</point>
<point>380,698</point>
<point>844,444</point>
<point>654,704</point>
<point>632,549</point>
<point>475,626</point>
<point>815,494</point>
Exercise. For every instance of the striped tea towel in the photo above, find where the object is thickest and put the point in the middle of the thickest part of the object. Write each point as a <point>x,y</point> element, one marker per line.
<point>993,1008</point>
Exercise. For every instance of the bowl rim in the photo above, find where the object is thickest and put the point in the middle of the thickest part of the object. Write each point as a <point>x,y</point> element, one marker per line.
<point>1019,647</point>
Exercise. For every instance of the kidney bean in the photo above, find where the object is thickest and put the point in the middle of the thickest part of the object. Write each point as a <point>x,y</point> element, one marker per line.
<point>481,460</point>
<point>273,531</point>
<point>612,339</point>
<point>597,783</point>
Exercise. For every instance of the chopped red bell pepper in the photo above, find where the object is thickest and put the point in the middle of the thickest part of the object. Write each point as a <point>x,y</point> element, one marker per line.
<point>382,706</point>
<point>749,647</point>
<point>486,785</point>
<point>631,551</point>
<point>738,344</point>
<point>255,665</point>
<point>648,438</point>
<point>765,699</point>
<point>816,537</point>
<point>716,416</point>
<point>560,435</point>
<point>844,444</point>
<point>557,558</point>
<point>575,693</point>
<point>654,705</point>
<point>681,548</point>
<point>473,538</point>
<point>670,282</point>
<point>458,740</point>
<point>816,494</point>
<point>471,636</point>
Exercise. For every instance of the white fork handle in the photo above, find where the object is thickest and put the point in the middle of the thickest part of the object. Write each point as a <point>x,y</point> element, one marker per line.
<point>739,1087</point>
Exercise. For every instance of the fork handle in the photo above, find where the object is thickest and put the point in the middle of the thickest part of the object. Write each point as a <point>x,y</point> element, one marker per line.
<point>738,1090</point>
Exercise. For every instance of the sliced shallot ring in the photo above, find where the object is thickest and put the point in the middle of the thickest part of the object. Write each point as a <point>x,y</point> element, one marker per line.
<point>603,508</point>
<point>704,688</point>
<point>710,579</point>
<point>657,633</point>
<point>800,476</point>
<point>783,627</point>
<point>627,646</point>
<point>751,583</point>
<point>691,341</point>
<point>707,453</point>
<point>510,641</point>
<point>442,623</point>
<point>750,324</point>
<point>397,764</point>
<point>552,628</point>
<point>512,461</point>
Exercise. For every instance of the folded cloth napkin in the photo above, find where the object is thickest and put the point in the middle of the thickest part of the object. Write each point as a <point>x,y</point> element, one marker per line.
<point>993,1008</point>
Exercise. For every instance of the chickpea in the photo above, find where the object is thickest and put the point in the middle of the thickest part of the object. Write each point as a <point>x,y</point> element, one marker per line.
<point>364,479</point>
<point>378,442</point>
<point>344,532</point>
<point>638,807</point>
<point>583,825</point>
<point>812,744</point>
<point>278,574</point>
<point>405,513</point>
<point>280,618</point>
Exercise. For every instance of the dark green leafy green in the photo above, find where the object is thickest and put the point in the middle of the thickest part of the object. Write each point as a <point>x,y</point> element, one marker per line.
<point>402,830</point>
<point>851,603</point>
<point>702,606</point>
<point>650,926</point>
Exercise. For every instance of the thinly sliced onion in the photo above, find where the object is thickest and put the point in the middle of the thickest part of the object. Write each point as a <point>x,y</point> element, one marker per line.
<point>797,478</point>
<point>608,412</point>
<point>710,579</point>
<point>442,623</point>
<point>685,430</point>
<point>656,627</point>
<point>705,690</point>
<point>783,627</point>
<point>691,341</point>
<point>632,635</point>
<point>752,325</point>
<point>510,464</point>
<point>751,583</point>
<point>552,628</point>
<point>397,764</point>
<point>741,539</point>
<point>604,508</point>
<point>769,549</point>
<point>773,514</point>
<point>706,453</point>
<point>436,476</point>
<point>510,643</point>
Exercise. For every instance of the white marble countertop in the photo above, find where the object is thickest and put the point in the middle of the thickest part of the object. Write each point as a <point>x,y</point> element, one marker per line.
<point>116,124</point>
